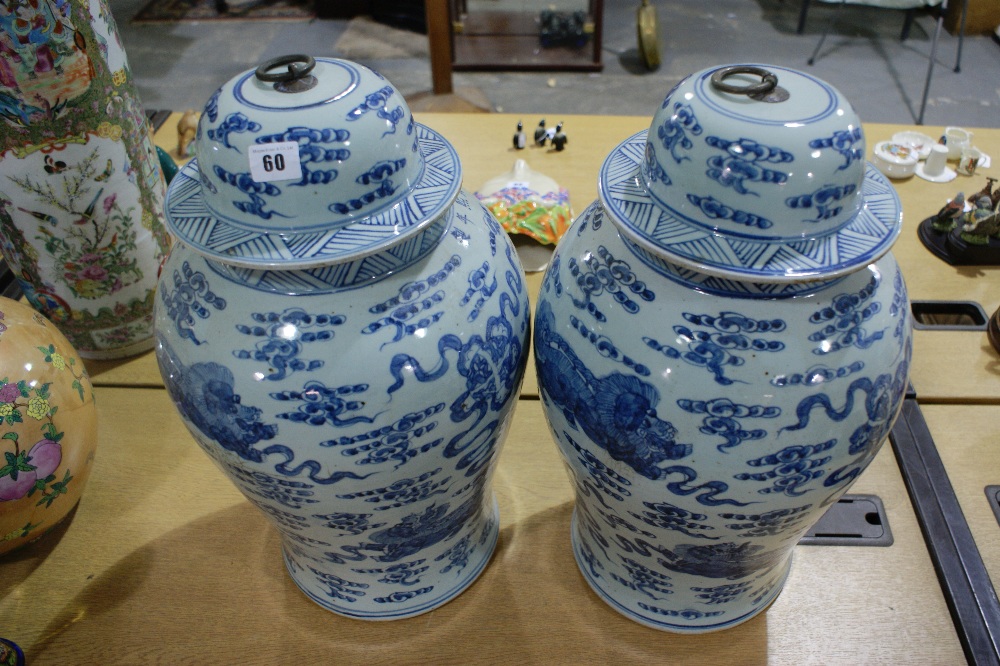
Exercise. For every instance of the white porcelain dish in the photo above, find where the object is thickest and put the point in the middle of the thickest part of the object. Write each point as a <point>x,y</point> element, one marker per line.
<point>918,141</point>
<point>895,160</point>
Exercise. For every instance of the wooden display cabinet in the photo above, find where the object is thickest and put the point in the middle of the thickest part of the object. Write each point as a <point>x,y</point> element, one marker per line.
<point>507,36</point>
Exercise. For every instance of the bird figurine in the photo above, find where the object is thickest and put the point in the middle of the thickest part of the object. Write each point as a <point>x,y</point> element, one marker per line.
<point>946,218</point>
<point>987,191</point>
<point>520,140</point>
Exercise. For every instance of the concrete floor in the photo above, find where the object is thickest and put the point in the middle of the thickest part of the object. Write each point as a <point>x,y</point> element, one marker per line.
<point>178,66</point>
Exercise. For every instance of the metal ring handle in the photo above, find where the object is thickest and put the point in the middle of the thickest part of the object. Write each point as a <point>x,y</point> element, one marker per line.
<point>768,80</point>
<point>298,67</point>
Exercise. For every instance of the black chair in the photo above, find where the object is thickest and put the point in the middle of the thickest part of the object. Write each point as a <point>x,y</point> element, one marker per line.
<point>939,9</point>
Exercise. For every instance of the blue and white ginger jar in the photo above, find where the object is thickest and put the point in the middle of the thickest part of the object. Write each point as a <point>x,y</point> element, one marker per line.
<point>346,339</point>
<point>722,344</point>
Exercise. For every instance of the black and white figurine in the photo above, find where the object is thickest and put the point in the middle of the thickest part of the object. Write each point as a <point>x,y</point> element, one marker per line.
<point>520,141</point>
<point>559,139</point>
<point>541,135</point>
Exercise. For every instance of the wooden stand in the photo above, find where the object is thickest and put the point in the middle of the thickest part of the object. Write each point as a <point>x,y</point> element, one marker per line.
<point>509,41</point>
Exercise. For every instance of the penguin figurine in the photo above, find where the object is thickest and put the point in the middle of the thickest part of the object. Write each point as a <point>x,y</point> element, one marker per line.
<point>540,133</point>
<point>559,139</point>
<point>520,141</point>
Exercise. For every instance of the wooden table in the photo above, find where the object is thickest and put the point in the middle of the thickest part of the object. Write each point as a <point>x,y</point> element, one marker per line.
<point>165,562</point>
<point>966,438</point>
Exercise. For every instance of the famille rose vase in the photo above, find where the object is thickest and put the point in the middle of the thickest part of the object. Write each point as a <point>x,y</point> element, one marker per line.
<point>722,343</point>
<point>344,331</point>
<point>48,425</point>
<point>81,194</point>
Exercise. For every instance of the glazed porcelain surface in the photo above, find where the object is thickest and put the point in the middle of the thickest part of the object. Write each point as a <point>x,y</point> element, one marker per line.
<point>895,160</point>
<point>709,403</point>
<point>781,170</point>
<point>528,202</point>
<point>81,193</point>
<point>48,425</point>
<point>358,389</point>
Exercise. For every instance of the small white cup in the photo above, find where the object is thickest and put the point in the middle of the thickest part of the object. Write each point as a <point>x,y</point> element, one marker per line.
<point>935,163</point>
<point>958,138</point>
<point>968,161</point>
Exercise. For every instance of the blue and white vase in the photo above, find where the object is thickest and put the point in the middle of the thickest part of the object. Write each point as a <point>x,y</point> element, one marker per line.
<point>345,340</point>
<point>722,343</point>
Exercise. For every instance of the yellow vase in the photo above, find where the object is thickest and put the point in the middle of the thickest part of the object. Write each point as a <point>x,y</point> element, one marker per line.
<point>48,426</point>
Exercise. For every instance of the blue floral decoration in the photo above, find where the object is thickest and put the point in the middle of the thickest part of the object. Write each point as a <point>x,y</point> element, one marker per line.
<point>770,523</point>
<point>723,419</point>
<point>415,298</point>
<point>721,560</point>
<point>403,491</point>
<point>284,336</point>
<point>313,152</point>
<point>654,584</point>
<point>667,516</point>
<point>245,183</point>
<point>844,321</point>
<point>714,209</point>
<point>233,123</point>
<point>824,201</point>
<point>743,162</point>
<point>721,340</point>
<point>849,143</point>
<point>189,298</point>
<point>674,133</point>
<point>791,468</point>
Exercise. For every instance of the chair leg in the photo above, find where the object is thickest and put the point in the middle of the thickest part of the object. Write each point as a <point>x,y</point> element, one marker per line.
<point>930,66</point>
<point>803,10</point>
<point>826,30</point>
<point>907,24</point>
<point>961,34</point>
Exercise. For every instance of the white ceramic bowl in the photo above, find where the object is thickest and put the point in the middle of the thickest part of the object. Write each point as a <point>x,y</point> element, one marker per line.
<point>895,160</point>
<point>918,141</point>
<point>785,170</point>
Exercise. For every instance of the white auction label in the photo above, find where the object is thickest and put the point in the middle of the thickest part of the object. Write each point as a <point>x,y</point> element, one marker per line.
<point>275,161</point>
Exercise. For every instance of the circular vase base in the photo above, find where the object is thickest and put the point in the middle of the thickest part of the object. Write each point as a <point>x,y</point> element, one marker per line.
<point>133,349</point>
<point>398,605</point>
<point>683,620</point>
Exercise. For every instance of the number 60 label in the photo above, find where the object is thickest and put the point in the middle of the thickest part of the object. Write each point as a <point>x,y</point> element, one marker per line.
<point>275,161</point>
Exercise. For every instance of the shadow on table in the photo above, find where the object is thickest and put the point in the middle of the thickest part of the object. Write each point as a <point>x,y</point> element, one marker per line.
<point>216,590</point>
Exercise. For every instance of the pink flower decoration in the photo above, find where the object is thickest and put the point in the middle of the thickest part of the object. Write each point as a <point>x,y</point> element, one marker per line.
<point>93,272</point>
<point>9,392</point>
<point>109,203</point>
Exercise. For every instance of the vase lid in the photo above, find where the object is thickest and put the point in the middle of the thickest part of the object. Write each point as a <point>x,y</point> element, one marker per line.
<point>318,166</point>
<point>768,186</point>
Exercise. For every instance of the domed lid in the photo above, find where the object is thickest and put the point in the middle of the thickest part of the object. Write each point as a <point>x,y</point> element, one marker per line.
<point>753,173</point>
<point>298,168</point>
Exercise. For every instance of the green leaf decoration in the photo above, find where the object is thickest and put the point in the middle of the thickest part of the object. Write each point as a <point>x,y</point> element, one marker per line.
<point>10,435</point>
